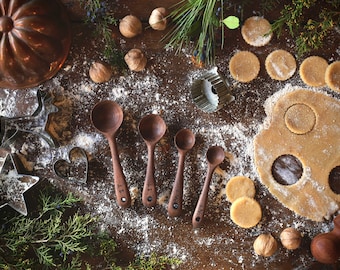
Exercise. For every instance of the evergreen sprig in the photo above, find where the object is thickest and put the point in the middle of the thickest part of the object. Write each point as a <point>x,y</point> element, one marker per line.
<point>310,33</point>
<point>153,262</point>
<point>45,235</point>
<point>98,14</point>
<point>59,237</point>
<point>195,20</point>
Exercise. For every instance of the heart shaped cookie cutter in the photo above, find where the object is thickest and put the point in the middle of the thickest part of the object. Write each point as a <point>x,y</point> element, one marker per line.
<point>76,168</point>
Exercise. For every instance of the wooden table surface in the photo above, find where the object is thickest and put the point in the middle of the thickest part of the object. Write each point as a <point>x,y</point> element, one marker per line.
<point>164,88</point>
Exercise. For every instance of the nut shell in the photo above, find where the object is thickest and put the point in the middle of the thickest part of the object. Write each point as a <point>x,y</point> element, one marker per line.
<point>290,238</point>
<point>158,19</point>
<point>35,39</point>
<point>130,26</point>
<point>100,72</point>
<point>135,59</point>
<point>265,245</point>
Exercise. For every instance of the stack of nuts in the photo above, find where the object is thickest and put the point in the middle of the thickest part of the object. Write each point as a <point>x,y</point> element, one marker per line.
<point>266,245</point>
<point>130,26</point>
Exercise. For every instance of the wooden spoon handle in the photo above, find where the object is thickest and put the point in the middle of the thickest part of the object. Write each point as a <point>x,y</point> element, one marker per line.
<point>149,195</point>
<point>121,188</point>
<point>202,201</point>
<point>176,197</point>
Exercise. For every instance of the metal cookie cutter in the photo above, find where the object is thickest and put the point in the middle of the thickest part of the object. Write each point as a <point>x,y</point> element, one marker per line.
<point>75,169</point>
<point>12,184</point>
<point>35,123</point>
<point>211,92</point>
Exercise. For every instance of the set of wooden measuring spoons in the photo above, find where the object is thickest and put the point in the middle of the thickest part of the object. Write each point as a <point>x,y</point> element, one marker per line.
<point>107,117</point>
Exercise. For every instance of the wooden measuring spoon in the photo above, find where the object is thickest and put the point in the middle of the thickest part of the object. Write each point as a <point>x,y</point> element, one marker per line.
<point>215,156</point>
<point>152,128</point>
<point>184,141</point>
<point>107,116</point>
<point>325,247</point>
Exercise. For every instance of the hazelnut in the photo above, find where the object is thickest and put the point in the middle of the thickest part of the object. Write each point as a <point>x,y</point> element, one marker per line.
<point>100,72</point>
<point>265,245</point>
<point>135,59</point>
<point>157,19</point>
<point>290,238</point>
<point>130,26</point>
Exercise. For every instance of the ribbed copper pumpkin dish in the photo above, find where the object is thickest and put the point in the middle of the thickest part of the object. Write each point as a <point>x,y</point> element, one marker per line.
<point>35,41</point>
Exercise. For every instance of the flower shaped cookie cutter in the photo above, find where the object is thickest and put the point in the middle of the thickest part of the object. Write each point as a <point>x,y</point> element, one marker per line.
<point>211,91</point>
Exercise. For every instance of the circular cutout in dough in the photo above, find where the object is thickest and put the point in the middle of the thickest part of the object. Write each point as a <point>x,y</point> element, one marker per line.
<point>245,212</point>
<point>300,118</point>
<point>256,31</point>
<point>312,71</point>
<point>287,170</point>
<point>280,65</point>
<point>334,180</point>
<point>240,186</point>
<point>244,66</point>
<point>332,76</point>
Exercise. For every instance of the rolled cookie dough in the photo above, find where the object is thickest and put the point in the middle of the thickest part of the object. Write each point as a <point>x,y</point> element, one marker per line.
<point>312,71</point>
<point>244,66</point>
<point>245,212</point>
<point>239,186</point>
<point>256,31</point>
<point>280,65</point>
<point>314,140</point>
<point>332,76</point>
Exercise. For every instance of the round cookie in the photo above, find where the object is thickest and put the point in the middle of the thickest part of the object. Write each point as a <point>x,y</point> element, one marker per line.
<point>312,71</point>
<point>244,66</point>
<point>280,65</point>
<point>240,186</point>
<point>256,31</point>
<point>332,76</point>
<point>245,212</point>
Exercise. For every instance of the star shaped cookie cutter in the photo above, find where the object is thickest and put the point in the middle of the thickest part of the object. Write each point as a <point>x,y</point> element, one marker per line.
<point>35,123</point>
<point>13,185</point>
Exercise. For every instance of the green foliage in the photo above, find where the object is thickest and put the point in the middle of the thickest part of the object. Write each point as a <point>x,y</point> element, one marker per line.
<point>49,236</point>
<point>309,32</point>
<point>153,262</point>
<point>59,237</point>
<point>98,14</point>
<point>197,20</point>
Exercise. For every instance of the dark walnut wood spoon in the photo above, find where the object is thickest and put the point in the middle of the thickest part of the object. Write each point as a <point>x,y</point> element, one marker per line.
<point>184,141</point>
<point>151,128</point>
<point>325,247</point>
<point>107,117</point>
<point>215,156</point>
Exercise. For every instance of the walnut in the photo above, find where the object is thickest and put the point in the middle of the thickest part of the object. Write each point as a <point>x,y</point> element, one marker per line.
<point>265,245</point>
<point>100,72</point>
<point>130,26</point>
<point>135,59</point>
<point>158,19</point>
<point>290,238</point>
